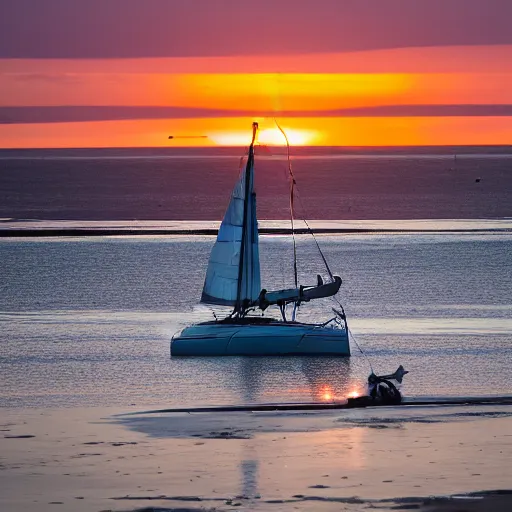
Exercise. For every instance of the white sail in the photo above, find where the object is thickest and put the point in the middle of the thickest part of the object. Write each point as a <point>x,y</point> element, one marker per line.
<point>226,283</point>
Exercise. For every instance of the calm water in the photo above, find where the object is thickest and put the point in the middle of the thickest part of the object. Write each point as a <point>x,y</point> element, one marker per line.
<point>88,321</point>
<point>194,184</point>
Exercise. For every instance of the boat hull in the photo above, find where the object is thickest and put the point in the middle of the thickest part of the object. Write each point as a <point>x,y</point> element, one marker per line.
<point>273,339</point>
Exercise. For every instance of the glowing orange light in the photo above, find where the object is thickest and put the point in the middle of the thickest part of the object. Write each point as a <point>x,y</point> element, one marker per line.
<point>281,92</point>
<point>326,393</point>
<point>353,394</point>
<point>267,137</point>
<point>231,138</point>
<point>327,131</point>
<point>273,137</point>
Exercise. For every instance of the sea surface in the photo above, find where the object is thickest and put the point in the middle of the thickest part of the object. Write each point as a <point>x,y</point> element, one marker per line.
<point>88,321</point>
<point>194,184</point>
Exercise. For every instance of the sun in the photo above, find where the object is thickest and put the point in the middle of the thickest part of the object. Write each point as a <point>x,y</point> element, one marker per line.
<point>273,137</point>
<point>266,137</point>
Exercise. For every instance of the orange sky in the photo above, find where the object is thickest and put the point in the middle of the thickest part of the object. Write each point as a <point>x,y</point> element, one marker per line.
<point>329,131</point>
<point>275,92</point>
<point>326,83</point>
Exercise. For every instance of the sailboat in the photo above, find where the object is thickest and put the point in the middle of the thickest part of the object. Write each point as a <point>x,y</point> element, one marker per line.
<point>233,280</point>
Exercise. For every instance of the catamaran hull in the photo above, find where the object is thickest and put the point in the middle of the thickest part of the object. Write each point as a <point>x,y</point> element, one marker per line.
<point>260,340</point>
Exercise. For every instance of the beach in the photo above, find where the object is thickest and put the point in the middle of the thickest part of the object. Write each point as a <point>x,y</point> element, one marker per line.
<point>403,457</point>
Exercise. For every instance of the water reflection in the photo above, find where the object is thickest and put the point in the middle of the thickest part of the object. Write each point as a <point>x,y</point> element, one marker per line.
<point>249,474</point>
<point>328,379</point>
<point>294,379</point>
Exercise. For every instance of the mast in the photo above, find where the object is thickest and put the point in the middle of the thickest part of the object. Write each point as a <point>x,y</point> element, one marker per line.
<point>248,170</point>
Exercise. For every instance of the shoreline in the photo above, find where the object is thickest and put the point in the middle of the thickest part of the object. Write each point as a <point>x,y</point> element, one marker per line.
<point>446,150</point>
<point>86,228</point>
<point>26,233</point>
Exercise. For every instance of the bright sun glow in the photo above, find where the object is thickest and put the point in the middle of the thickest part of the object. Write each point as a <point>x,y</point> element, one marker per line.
<point>326,394</point>
<point>230,138</point>
<point>267,136</point>
<point>273,137</point>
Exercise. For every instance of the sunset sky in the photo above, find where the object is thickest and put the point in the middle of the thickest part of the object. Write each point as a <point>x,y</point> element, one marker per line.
<point>96,73</point>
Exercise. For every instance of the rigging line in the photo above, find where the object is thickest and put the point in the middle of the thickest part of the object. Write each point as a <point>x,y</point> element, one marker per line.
<point>292,190</point>
<point>292,186</point>
<point>360,349</point>
<point>351,333</point>
<point>314,237</point>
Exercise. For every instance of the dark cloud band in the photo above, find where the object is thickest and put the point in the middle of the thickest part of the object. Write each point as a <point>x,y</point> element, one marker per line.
<point>35,114</point>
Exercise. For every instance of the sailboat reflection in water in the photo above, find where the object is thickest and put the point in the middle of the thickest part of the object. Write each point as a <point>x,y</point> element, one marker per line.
<point>233,279</point>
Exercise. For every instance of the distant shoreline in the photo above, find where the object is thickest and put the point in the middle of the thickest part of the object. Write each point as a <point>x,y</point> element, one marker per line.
<point>86,228</point>
<point>297,151</point>
<point>86,232</point>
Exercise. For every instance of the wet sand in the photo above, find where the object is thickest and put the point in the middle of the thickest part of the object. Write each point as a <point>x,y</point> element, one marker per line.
<point>427,458</point>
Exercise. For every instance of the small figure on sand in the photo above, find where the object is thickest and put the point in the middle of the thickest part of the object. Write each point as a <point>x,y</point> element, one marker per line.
<point>384,388</point>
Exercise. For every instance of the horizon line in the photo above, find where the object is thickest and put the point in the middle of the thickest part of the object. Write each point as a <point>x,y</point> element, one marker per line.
<point>218,147</point>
